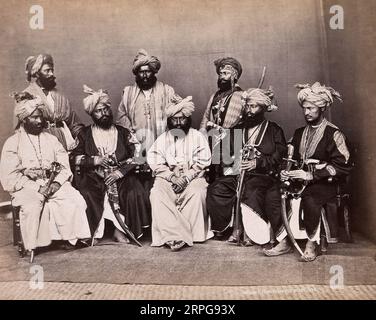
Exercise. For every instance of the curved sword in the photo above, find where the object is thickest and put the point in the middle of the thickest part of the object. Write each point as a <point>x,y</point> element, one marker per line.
<point>113,199</point>
<point>287,225</point>
<point>125,228</point>
<point>284,193</point>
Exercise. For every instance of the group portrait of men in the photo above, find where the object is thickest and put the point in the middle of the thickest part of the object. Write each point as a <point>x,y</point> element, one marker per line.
<point>145,170</point>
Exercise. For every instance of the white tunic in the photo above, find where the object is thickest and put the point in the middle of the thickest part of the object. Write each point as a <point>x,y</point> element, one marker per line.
<point>179,216</point>
<point>24,159</point>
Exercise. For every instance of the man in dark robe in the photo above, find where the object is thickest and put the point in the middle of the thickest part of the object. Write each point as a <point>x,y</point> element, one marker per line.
<point>323,145</point>
<point>104,146</point>
<point>61,119</point>
<point>261,197</point>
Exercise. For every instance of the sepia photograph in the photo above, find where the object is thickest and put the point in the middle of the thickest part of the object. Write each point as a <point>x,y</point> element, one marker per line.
<point>187,150</point>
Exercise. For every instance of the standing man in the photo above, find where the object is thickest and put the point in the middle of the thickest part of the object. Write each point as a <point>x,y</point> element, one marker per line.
<point>142,110</point>
<point>224,109</point>
<point>178,159</point>
<point>260,202</point>
<point>143,104</point>
<point>61,119</point>
<point>322,154</point>
<point>103,147</point>
<point>54,211</point>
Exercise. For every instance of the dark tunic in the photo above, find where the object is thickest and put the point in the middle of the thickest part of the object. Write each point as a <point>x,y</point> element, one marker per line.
<point>261,188</point>
<point>133,195</point>
<point>321,191</point>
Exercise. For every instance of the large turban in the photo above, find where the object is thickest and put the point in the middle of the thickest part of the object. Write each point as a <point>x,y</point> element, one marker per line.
<point>261,97</point>
<point>94,98</point>
<point>320,95</point>
<point>229,62</point>
<point>144,59</point>
<point>26,104</point>
<point>34,64</point>
<point>178,104</point>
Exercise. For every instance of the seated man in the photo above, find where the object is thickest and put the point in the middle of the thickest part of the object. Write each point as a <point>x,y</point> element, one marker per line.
<point>49,210</point>
<point>260,202</point>
<point>318,142</point>
<point>178,159</point>
<point>103,160</point>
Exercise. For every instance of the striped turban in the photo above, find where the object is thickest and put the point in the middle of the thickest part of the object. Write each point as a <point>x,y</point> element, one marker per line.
<point>35,63</point>
<point>320,95</point>
<point>231,64</point>
<point>261,97</point>
<point>94,98</point>
<point>144,59</point>
<point>26,104</point>
<point>178,104</point>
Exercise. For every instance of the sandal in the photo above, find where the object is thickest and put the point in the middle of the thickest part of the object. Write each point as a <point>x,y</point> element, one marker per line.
<point>177,245</point>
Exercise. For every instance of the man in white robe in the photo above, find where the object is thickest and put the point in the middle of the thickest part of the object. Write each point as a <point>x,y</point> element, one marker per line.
<point>178,159</point>
<point>24,170</point>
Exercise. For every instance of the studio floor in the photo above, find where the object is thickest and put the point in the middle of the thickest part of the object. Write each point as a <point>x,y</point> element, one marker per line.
<point>213,270</point>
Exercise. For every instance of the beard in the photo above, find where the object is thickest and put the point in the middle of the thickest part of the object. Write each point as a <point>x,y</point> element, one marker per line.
<point>34,129</point>
<point>47,83</point>
<point>104,122</point>
<point>146,83</point>
<point>184,127</point>
<point>224,85</point>
<point>252,120</point>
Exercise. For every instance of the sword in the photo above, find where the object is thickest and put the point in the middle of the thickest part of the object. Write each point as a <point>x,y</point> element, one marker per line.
<point>287,224</point>
<point>239,189</point>
<point>248,153</point>
<point>113,198</point>
<point>222,133</point>
<point>284,195</point>
<point>55,169</point>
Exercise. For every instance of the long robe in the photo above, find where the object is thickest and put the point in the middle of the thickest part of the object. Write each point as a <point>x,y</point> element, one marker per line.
<point>231,111</point>
<point>223,109</point>
<point>144,113</point>
<point>179,216</point>
<point>64,122</point>
<point>261,188</point>
<point>133,196</point>
<point>23,166</point>
<point>328,145</point>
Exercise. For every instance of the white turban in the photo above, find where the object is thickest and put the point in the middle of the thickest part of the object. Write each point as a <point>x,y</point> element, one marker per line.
<point>93,98</point>
<point>178,104</point>
<point>320,95</point>
<point>26,105</point>
<point>261,97</point>
<point>144,59</point>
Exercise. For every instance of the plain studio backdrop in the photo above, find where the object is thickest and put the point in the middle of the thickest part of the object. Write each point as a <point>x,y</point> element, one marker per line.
<point>94,43</point>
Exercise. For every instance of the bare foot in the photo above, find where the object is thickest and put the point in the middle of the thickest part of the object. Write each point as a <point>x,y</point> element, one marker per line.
<point>281,248</point>
<point>310,251</point>
<point>120,237</point>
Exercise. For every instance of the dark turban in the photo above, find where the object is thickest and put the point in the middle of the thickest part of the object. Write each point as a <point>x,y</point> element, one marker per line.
<point>144,59</point>
<point>220,63</point>
<point>34,64</point>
